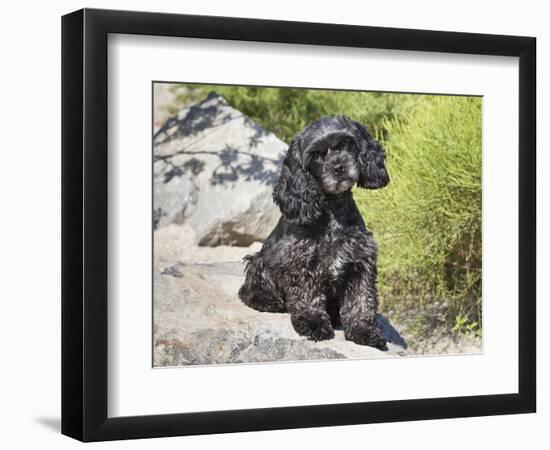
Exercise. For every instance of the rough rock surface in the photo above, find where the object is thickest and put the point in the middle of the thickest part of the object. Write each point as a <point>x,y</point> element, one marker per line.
<point>164,97</point>
<point>198,318</point>
<point>214,169</point>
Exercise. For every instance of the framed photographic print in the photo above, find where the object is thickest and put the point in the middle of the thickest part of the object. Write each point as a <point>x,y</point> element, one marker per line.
<point>273,224</point>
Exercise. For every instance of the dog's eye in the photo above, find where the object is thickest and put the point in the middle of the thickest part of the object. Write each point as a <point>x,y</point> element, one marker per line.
<point>341,146</point>
<point>321,154</point>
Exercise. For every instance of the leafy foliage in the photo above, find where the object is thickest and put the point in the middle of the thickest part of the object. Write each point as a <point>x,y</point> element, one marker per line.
<point>287,111</point>
<point>428,220</point>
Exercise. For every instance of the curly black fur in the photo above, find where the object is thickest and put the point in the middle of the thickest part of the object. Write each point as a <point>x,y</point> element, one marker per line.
<point>319,263</point>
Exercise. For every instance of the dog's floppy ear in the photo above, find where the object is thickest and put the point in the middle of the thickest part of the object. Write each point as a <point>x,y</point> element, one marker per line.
<point>297,193</point>
<point>373,173</point>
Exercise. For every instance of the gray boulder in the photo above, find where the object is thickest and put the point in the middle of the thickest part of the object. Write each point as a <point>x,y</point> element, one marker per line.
<point>214,169</point>
<point>199,319</point>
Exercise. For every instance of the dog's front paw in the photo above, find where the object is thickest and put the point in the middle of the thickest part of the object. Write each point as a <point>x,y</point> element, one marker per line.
<point>315,325</point>
<point>367,335</point>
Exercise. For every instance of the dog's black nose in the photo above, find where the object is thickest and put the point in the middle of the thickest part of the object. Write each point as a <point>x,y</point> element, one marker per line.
<point>338,169</point>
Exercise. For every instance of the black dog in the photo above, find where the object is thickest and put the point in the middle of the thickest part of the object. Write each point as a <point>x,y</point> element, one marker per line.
<point>319,263</point>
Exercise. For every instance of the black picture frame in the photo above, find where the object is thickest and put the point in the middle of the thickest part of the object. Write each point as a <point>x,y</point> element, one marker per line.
<point>84,224</point>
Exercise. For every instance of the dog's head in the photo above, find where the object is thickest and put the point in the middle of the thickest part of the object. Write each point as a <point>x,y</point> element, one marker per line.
<point>328,158</point>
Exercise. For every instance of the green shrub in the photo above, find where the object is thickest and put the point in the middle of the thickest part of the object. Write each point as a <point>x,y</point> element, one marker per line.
<point>286,111</point>
<point>427,221</point>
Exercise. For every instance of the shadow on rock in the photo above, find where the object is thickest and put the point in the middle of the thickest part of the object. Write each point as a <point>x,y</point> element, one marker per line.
<point>214,168</point>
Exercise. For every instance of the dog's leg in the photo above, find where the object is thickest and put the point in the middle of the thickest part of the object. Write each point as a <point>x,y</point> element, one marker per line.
<point>313,323</point>
<point>360,302</point>
<point>358,314</point>
<point>308,311</point>
<point>259,291</point>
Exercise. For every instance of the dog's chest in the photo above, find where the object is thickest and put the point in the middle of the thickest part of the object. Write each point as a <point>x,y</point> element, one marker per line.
<point>338,248</point>
<point>342,223</point>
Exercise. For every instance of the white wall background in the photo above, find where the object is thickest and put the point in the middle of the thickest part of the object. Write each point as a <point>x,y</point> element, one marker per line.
<point>30,225</point>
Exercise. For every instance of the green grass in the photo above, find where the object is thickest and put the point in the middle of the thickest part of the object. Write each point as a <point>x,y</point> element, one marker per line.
<point>427,221</point>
